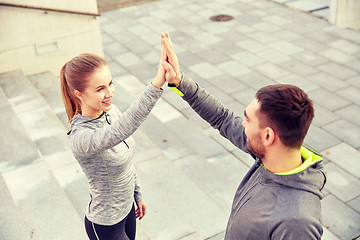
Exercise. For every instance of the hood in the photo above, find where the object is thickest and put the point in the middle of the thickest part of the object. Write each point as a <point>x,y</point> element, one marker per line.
<point>310,176</point>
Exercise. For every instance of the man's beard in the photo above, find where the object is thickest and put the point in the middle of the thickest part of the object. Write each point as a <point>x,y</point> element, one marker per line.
<point>256,147</point>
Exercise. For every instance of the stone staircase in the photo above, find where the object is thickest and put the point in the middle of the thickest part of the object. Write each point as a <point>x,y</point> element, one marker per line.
<point>43,190</point>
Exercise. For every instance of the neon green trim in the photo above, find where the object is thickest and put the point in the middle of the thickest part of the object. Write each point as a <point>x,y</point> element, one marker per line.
<point>177,91</point>
<point>309,156</point>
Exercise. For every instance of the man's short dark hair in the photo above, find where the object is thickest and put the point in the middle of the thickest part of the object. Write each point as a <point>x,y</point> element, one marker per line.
<point>287,110</point>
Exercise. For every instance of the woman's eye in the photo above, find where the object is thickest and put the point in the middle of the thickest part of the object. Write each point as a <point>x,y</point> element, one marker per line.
<point>111,83</point>
<point>98,90</point>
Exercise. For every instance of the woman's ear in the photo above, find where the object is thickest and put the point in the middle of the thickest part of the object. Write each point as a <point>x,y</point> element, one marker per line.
<point>78,95</point>
<point>269,136</point>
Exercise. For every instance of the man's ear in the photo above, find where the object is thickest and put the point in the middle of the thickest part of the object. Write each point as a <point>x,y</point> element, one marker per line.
<point>78,94</point>
<point>269,136</point>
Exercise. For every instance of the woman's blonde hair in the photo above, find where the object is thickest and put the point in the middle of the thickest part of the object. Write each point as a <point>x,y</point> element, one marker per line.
<point>74,75</point>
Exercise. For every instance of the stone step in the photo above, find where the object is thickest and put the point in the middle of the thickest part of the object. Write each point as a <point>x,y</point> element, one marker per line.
<point>42,125</point>
<point>44,207</point>
<point>17,147</point>
<point>40,179</point>
<point>49,87</point>
<point>12,225</point>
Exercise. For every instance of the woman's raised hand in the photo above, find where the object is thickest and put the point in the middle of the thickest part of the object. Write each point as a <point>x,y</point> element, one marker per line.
<point>172,69</point>
<point>160,76</point>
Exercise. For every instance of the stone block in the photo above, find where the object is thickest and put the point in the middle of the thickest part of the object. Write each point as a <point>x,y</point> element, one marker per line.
<point>195,118</point>
<point>214,134</point>
<point>327,81</point>
<point>114,48</point>
<point>355,204</point>
<point>139,47</point>
<point>345,156</point>
<point>346,131</point>
<point>328,99</point>
<point>211,56</point>
<point>337,56</point>
<point>234,68</point>
<point>271,70</point>
<point>277,20</point>
<point>350,93</point>
<point>345,224</point>
<point>251,45</point>
<point>245,96</point>
<point>256,80</point>
<point>145,72</point>
<point>236,107</point>
<point>274,56</point>
<point>247,58</point>
<point>227,48</point>
<point>206,70</point>
<point>337,70</point>
<point>311,46</point>
<point>165,138</point>
<point>355,65</point>
<point>302,83</point>
<point>319,139</point>
<point>188,59</point>
<point>264,37</point>
<point>345,46</point>
<point>244,157</point>
<point>207,38</point>
<point>286,47</point>
<point>127,59</point>
<point>226,83</point>
<point>350,113</point>
<point>116,69</point>
<point>266,27</point>
<point>341,184</point>
<point>165,112</point>
<point>195,138</point>
<point>219,94</point>
<point>299,68</point>
<point>323,116</point>
<point>355,81</point>
<point>16,135</point>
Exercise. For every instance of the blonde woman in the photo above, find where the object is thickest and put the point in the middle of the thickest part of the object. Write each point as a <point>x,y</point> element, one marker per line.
<point>100,138</point>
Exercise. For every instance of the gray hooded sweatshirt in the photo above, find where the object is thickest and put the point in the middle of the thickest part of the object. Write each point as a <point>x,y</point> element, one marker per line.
<point>266,205</point>
<point>103,146</point>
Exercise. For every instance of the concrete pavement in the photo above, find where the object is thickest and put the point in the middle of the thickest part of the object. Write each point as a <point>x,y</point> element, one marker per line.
<point>188,172</point>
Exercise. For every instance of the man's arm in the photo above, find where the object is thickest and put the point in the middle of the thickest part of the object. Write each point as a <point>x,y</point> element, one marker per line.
<point>213,111</point>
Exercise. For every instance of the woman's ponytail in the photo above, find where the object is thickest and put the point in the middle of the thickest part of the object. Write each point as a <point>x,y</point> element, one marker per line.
<point>71,103</point>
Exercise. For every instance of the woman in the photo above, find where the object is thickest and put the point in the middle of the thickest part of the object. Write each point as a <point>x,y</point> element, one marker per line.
<point>100,138</point>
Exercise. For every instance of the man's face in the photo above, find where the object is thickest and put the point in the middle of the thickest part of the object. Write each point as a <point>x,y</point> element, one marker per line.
<point>251,124</point>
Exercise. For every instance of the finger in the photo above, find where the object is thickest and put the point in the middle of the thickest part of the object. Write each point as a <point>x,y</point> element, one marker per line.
<point>168,68</point>
<point>169,39</point>
<point>144,211</point>
<point>168,42</point>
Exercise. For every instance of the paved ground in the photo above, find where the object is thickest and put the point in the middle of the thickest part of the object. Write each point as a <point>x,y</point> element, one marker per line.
<point>188,172</point>
<point>265,43</point>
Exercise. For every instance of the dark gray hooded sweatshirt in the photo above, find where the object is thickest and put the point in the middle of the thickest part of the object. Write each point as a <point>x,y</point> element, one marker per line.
<point>266,205</point>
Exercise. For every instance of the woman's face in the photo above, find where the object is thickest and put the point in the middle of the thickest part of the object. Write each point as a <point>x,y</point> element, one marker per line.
<point>97,97</point>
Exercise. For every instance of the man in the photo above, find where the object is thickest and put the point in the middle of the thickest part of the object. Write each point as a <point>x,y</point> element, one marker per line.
<point>279,197</point>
